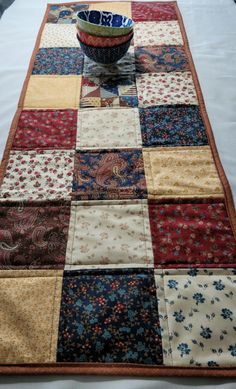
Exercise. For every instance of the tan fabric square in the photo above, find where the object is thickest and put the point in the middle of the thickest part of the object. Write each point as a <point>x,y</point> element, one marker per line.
<point>53,92</point>
<point>181,172</point>
<point>29,315</point>
<point>59,35</point>
<point>119,8</point>
<point>157,33</point>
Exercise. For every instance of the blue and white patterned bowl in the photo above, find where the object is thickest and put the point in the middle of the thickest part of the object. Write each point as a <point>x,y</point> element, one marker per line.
<point>104,23</point>
<point>105,55</point>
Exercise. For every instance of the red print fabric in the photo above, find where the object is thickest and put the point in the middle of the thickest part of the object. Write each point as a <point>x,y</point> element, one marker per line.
<point>46,129</point>
<point>194,235</point>
<point>143,12</point>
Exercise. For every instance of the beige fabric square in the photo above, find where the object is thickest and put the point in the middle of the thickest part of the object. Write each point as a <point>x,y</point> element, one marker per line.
<point>157,33</point>
<point>109,233</point>
<point>165,88</point>
<point>29,315</point>
<point>108,128</point>
<point>53,92</point>
<point>119,8</point>
<point>59,35</point>
<point>181,172</point>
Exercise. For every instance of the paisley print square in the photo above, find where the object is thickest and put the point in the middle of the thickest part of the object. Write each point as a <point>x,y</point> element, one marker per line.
<point>33,235</point>
<point>65,14</point>
<point>197,316</point>
<point>148,11</point>
<point>157,34</point>
<point>46,129</point>
<point>58,35</point>
<point>152,59</point>
<point>165,88</point>
<point>59,60</point>
<point>109,174</point>
<point>115,128</point>
<point>109,91</point>
<point>109,233</point>
<point>38,175</point>
<point>29,315</point>
<point>192,235</point>
<point>109,316</point>
<point>179,125</point>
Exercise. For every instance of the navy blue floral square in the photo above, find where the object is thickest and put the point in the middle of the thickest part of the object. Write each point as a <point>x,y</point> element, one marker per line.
<point>109,316</point>
<point>59,60</point>
<point>109,174</point>
<point>172,126</point>
<point>65,14</point>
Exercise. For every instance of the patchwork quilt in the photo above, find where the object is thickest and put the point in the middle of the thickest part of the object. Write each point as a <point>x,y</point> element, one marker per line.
<point>117,232</point>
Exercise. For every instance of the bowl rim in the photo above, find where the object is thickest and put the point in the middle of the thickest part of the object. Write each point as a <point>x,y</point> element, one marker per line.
<point>105,47</point>
<point>101,26</point>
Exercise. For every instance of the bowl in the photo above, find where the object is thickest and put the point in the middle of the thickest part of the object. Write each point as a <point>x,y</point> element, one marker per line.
<point>104,23</point>
<point>105,55</point>
<point>99,41</point>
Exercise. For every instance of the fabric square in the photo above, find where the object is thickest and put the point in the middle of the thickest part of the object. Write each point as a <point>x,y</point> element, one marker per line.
<point>199,318</point>
<point>147,11</point>
<point>65,13</point>
<point>157,34</point>
<point>121,8</point>
<point>179,125</point>
<point>125,66</point>
<point>181,172</point>
<point>53,92</point>
<point>108,233</point>
<point>33,235</point>
<point>109,91</point>
<point>35,175</point>
<point>109,316</point>
<point>29,315</point>
<point>192,235</point>
<point>59,35</point>
<point>46,129</point>
<point>59,60</point>
<point>109,174</point>
<point>152,59</point>
<point>114,128</point>
<point>166,88</point>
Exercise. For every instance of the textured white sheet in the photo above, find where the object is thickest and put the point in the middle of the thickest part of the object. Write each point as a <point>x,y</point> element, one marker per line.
<point>211,29</point>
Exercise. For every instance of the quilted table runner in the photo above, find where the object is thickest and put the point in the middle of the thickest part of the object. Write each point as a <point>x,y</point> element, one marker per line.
<point>117,235</point>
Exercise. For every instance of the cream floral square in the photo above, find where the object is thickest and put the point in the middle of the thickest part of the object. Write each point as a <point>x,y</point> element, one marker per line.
<point>114,128</point>
<point>161,33</point>
<point>59,35</point>
<point>165,88</point>
<point>108,233</point>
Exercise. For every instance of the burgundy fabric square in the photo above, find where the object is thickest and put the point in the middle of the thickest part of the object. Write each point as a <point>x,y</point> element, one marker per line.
<point>33,235</point>
<point>149,11</point>
<point>46,129</point>
<point>196,235</point>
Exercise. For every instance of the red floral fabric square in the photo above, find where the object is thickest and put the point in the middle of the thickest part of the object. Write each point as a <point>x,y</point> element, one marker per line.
<point>46,129</point>
<point>143,12</point>
<point>196,235</point>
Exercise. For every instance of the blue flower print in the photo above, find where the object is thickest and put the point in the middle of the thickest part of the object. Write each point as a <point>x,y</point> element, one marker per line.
<point>232,349</point>
<point>212,364</point>
<point>206,332</point>
<point>184,349</point>
<point>199,299</point>
<point>172,284</point>
<point>179,317</point>
<point>226,314</point>
<point>218,285</point>
<point>192,272</point>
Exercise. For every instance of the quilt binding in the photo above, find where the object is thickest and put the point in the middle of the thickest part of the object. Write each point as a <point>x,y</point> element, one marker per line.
<point>122,369</point>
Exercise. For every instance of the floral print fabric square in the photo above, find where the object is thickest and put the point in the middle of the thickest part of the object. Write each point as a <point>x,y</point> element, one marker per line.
<point>33,235</point>
<point>109,91</point>
<point>169,175</point>
<point>192,235</point>
<point>157,34</point>
<point>46,129</point>
<point>110,233</point>
<point>152,59</point>
<point>59,60</point>
<point>58,35</point>
<point>109,174</point>
<point>35,175</point>
<point>165,88</point>
<point>167,125</point>
<point>115,128</point>
<point>200,319</point>
<point>109,316</point>
<point>65,14</point>
<point>144,11</point>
